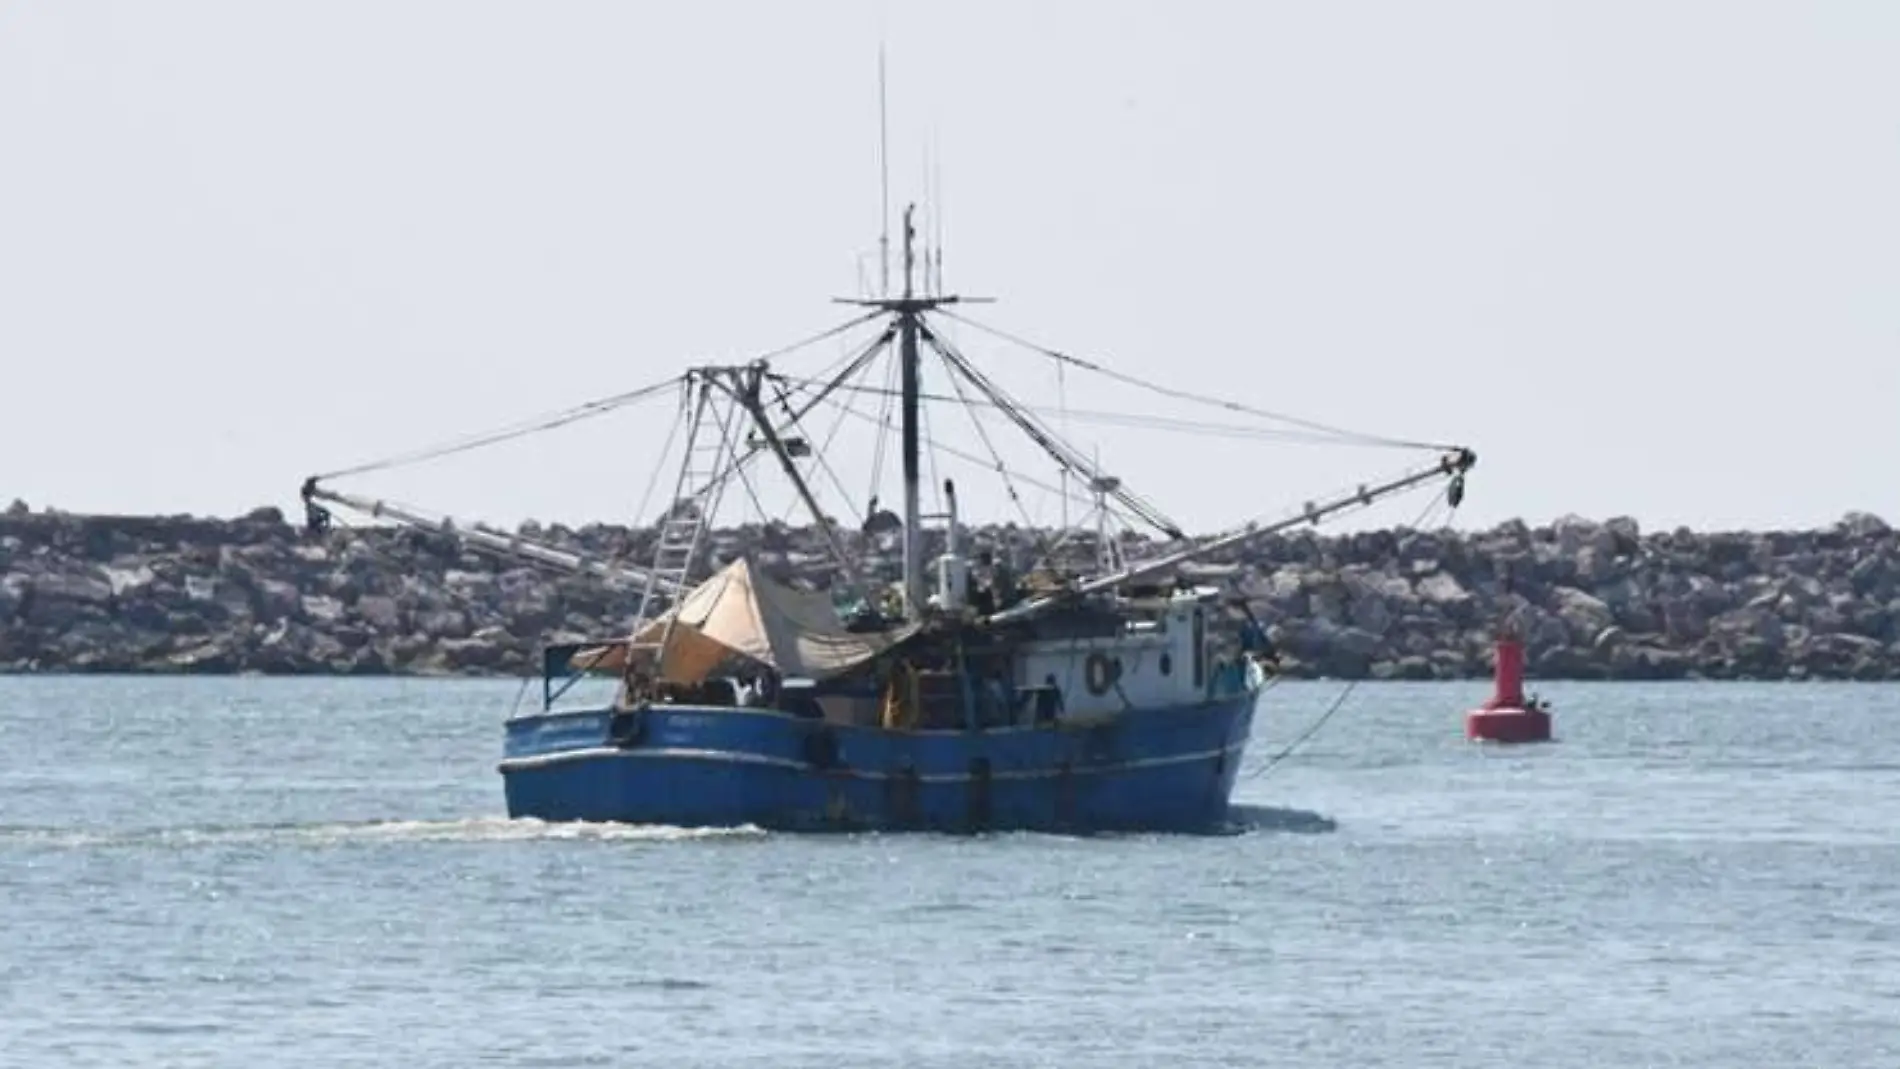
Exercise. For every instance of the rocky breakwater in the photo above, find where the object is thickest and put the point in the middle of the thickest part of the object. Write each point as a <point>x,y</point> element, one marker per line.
<point>181,594</point>
<point>1594,600</point>
<point>1591,600</point>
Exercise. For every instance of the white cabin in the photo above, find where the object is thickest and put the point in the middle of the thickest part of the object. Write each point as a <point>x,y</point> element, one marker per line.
<point>1153,663</point>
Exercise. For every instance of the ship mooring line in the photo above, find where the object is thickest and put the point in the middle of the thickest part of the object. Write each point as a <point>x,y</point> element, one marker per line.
<point>1340,702</point>
<point>1311,730</point>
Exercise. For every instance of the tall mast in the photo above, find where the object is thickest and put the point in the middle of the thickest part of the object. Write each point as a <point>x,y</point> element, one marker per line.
<point>907,311</point>
<point>913,537</point>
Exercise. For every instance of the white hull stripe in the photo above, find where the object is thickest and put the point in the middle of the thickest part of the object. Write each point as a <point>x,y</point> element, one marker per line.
<point>682,753</point>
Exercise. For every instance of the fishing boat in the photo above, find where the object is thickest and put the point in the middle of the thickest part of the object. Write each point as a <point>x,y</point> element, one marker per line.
<point>914,680</point>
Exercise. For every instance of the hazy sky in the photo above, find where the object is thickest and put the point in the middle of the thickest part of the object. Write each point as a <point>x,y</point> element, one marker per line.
<point>1644,257</point>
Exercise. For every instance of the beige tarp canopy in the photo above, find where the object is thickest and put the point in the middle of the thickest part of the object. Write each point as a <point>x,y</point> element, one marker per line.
<point>739,612</point>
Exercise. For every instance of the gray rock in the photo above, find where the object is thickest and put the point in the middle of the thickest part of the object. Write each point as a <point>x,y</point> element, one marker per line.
<point>443,623</point>
<point>1630,661</point>
<point>1864,526</point>
<point>273,600</point>
<point>1748,624</point>
<point>214,657</point>
<point>1405,668</point>
<point>1586,616</point>
<point>12,591</point>
<point>322,610</point>
<point>1444,591</point>
<point>380,612</point>
<point>86,587</point>
<point>1567,662</point>
<point>130,581</point>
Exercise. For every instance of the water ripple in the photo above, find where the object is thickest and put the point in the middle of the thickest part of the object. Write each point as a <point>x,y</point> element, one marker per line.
<point>1701,876</point>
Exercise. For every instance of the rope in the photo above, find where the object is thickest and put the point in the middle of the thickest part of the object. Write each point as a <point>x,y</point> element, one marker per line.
<point>814,339</point>
<point>983,435</point>
<point>883,426</point>
<point>1062,452</point>
<point>745,480</point>
<point>519,430</point>
<point>936,475</point>
<point>1338,703</point>
<point>520,693</point>
<point>856,366</point>
<point>1112,418</point>
<point>564,417</point>
<point>659,463</point>
<point>1300,740</point>
<point>1184,395</point>
<point>936,447</point>
<point>818,453</point>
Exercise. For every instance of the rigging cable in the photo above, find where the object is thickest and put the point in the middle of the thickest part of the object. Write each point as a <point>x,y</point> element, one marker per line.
<point>1063,452</point>
<point>856,365</point>
<point>1062,410</point>
<point>818,455</point>
<point>659,463</point>
<point>973,459</point>
<point>564,417</point>
<point>825,375</point>
<point>745,480</point>
<point>1009,485</point>
<point>787,350</point>
<point>1051,443</point>
<point>519,430</point>
<point>1185,395</point>
<point>936,475</point>
<point>837,425</point>
<point>1116,419</point>
<point>883,426</point>
<point>1340,702</point>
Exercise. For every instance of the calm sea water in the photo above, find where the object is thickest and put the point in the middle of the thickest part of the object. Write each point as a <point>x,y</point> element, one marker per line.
<point>245,872</point>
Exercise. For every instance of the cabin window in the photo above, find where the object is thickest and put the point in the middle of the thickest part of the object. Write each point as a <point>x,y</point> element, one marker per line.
<point>1167,664</point>
<point>1200,640</point>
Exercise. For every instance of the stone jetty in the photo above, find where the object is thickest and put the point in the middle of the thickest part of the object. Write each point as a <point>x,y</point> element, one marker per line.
<point>1594,600</point>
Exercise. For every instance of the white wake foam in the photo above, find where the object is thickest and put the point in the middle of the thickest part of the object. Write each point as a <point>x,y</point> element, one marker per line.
<point>468,830</point>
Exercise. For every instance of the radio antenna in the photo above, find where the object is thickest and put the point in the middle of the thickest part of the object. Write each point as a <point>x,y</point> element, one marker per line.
<point>884,181</point>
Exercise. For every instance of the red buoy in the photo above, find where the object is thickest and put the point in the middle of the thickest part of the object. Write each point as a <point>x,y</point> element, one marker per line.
<point>1507,717</point>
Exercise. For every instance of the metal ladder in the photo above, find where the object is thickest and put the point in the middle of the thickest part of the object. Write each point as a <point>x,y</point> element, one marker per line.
<point>696,495</point>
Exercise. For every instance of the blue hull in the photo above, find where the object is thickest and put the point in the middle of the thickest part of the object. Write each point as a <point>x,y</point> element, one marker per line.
<point>1169,769</point>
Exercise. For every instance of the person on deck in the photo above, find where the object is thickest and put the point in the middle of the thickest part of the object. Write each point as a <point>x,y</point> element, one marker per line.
<point>1004,582</point>
<point>1048,700</point>
<point>982,595</point>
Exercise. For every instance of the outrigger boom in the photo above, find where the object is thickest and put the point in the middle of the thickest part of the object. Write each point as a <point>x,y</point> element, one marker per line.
<point>1452,465</point>
<point>478,536</point>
